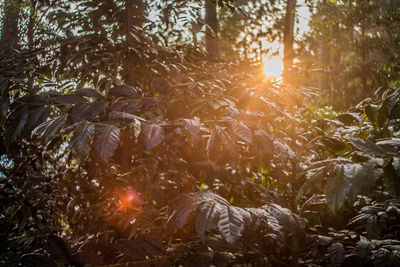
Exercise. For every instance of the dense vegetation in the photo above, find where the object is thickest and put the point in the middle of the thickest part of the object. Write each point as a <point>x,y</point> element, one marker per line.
<point>132,142</point>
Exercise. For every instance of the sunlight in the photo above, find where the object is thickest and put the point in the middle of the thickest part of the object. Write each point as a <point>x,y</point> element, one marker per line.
<point>273,66</point>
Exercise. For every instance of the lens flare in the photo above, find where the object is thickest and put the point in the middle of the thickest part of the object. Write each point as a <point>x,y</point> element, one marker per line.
<point>273,66</point>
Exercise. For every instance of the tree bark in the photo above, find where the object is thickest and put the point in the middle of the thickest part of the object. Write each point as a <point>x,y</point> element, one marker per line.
<point>288,35</point>
<point>212,45</point>
<point>9,32</point>
<point>135,17</point>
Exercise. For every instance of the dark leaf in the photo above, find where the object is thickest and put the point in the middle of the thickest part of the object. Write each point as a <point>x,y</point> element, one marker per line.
<point>231,223</point>
<point>152,135</point>
<point>58,249</point>
<point>48,129</point>
<point>116,115</point>
<point>191,126</point>
<point>207,217</point>
<point>105,142</point>
<point>368,147</point>
<point>336,254</point>
<point>82,138</point>
<point>69,99</point>
<point>241,130</point>
<point>36,117</point>
<point>86,111</point>
<point>337,188</point>
<point>89,93</point>
<point>140,248</point>
<point>35,260</point>
<point>14,124</point>
<point>124,91</point>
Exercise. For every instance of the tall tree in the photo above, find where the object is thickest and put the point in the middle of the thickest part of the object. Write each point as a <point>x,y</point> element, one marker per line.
<point>288,35</point>
<point>9,32</point>
<point>212,45</point>
<point>135,18</point>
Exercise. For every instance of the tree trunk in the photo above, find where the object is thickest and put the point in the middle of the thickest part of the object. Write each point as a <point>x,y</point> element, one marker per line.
<point>288,35</point>
<point>9,32</point>
<point>135,17</point>
<point>212,46</point>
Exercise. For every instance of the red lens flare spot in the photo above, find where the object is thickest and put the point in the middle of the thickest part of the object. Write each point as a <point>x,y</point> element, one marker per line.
<point>129,199</point>
<point>121,207</point>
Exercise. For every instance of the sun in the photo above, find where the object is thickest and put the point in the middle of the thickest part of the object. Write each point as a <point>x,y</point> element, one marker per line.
<point>273,66</point>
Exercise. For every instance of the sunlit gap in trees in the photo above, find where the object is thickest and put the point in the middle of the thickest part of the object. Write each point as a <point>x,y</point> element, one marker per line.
<point>272,66</point>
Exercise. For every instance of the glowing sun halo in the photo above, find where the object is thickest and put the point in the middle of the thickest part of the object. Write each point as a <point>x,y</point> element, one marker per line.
<point>273,66</point>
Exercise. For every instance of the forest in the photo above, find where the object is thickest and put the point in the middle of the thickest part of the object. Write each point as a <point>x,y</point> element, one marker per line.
<point>200,133</point>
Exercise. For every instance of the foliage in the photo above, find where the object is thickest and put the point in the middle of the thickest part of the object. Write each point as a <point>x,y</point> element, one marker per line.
<point>197,162</point>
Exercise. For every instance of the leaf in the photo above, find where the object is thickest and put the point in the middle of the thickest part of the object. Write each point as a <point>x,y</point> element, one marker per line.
<point>231,223</point>
<point>291,221</point>
<point>36,117</point>
<point>88,92</point>
<point>316,176</point>
<point>349,118</point>
<point>3,110</point>
<point>191,126</point>
<point>390,142</point>
<point>262,147</point>
<point>14,124</point>
<point>182,207</point>
<point>364,249</point>
<point>105,142</point>
<point>368,147</point>
<point>86,111</point>
<point>58,249</point>
<point>124,91</point>
<point>241,130</point>
<point>152,135</point>
<point>396,165</point>
<point>337,188</point>
<point>48,129</point>
<point>34,260</point>
<point>69,99</point>
<point>363,178</point>
<point>207,217</point>
<point>336,254</point>
<point>82,138</point>
<point>386,108</point>
<point>140,248</point>
<point>88,258</point>
<point>391,180</point>
<point>124,116</point>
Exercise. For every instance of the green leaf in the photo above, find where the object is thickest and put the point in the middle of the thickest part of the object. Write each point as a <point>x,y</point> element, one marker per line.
<point>48,129</point>
<point>106,142</point>
<point>82,138</point>
<point>337,188</point>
